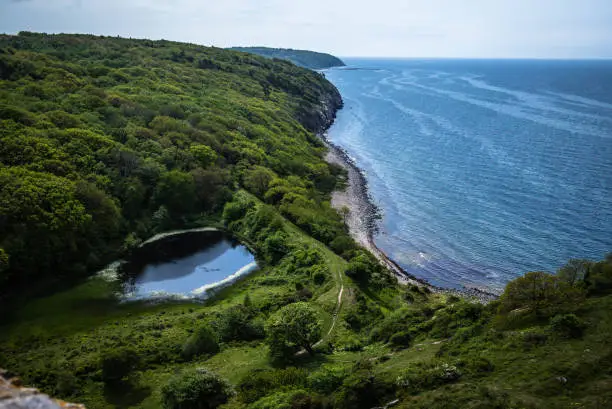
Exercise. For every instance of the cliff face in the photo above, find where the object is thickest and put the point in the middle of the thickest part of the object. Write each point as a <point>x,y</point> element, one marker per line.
<point>319,117</point>
<point>15,396</point>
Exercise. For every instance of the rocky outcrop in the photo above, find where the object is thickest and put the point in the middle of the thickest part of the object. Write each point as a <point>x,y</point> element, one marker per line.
<point>329,108</point>
<point>13,395</point>
<point>319,117</point>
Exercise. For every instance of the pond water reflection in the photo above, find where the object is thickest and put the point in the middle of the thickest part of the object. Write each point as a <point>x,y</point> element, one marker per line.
<point>185,265</point>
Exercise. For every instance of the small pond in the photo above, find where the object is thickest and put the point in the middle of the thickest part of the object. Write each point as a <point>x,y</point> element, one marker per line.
<point>185,265</point>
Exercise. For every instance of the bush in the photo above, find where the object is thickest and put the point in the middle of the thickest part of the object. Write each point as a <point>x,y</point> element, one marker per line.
<point>297,399</point>
<point>275,247</point>
<point>428,376</point>
<point>540,294</point>
<point>342,245</point>
<point>257,180</point>
<point>362,389</point>
<point>118,364</point>
<point>67,384</point>
<point>401,339</point>
<point>4,262</point>
<point>237,324</point>
<point>256,385</point>
<point>477,365</point>
<point>327,379</point>
<point>235,210</point>
<point>599,277</point>
<point>567,325</point>
<point>348,342</point>
<point>402,320</point>
<point>534,338</point>
<point>361,268</point>
<point>454,317</point>
<point>203,341</point>
<point>196,389</point>
<point>470,396</point>
<point>319,278</point>
<point>260,383</point>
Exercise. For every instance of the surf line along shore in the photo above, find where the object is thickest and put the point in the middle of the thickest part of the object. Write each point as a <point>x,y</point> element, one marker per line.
<point>363,216</point>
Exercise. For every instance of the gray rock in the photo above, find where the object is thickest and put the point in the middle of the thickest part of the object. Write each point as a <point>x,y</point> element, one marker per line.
<point>14,396</point>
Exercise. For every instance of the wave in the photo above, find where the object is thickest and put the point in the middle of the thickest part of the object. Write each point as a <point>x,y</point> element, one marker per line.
<point>439,127</point>
<point>539,102</point>
<point>576,99</point>
<point>527,110</point>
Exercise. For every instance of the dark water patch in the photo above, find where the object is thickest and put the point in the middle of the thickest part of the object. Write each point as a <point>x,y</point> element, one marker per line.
<point>186,265</point>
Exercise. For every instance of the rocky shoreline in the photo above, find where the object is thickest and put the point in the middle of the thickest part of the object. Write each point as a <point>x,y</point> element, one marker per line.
<point>362,216</point>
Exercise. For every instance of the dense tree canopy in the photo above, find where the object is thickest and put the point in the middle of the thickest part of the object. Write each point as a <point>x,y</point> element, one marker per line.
<point>104,139</point>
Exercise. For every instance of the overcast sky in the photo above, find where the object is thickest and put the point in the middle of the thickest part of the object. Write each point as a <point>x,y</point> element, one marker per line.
<point>391,28</point>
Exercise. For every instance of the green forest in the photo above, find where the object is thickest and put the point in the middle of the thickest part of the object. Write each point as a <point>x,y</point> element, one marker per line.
<point>302,58</point>
<point>107,141</point>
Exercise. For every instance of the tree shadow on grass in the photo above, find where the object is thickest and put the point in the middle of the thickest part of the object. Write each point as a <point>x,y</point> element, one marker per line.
<point>310,361</point>
<point>123,394</point>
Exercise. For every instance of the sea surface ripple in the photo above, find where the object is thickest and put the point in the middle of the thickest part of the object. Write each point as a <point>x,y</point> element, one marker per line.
<point>484,169</point>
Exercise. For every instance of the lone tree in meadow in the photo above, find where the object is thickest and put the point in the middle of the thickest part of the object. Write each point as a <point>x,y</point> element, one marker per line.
<point>294,326</point>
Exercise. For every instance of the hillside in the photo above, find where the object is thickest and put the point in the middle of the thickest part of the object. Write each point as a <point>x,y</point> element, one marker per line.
<point>105,142</point>
<point>302,58</point>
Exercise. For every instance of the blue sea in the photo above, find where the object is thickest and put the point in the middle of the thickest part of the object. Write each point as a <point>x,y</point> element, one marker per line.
<point>483,169</point>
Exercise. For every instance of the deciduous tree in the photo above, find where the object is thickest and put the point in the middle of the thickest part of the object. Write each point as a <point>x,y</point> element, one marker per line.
<point>293,326</point>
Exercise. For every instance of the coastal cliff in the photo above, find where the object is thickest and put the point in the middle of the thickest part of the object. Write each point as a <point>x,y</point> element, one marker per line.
<point>302,58</point>
<point>319,117</point>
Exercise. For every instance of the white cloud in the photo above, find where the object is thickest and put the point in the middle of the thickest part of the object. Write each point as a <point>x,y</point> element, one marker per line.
<point>442,28</point>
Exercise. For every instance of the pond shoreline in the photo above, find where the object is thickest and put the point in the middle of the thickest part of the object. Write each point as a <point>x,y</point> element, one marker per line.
<point>171,233</point>
<point>181,265</point>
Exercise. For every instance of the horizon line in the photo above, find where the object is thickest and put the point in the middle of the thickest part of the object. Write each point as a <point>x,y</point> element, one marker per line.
<point>543,58</point>
<point>475,58</point>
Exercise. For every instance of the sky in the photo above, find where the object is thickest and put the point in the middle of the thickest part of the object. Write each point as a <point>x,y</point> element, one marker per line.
<point>374,28</point>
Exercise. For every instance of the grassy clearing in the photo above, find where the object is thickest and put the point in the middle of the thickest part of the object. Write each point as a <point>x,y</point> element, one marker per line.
<point>74,328</point>
<point>455,353</point>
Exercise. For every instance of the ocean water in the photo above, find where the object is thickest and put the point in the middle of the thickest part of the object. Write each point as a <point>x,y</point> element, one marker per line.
<point>484,169</point>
